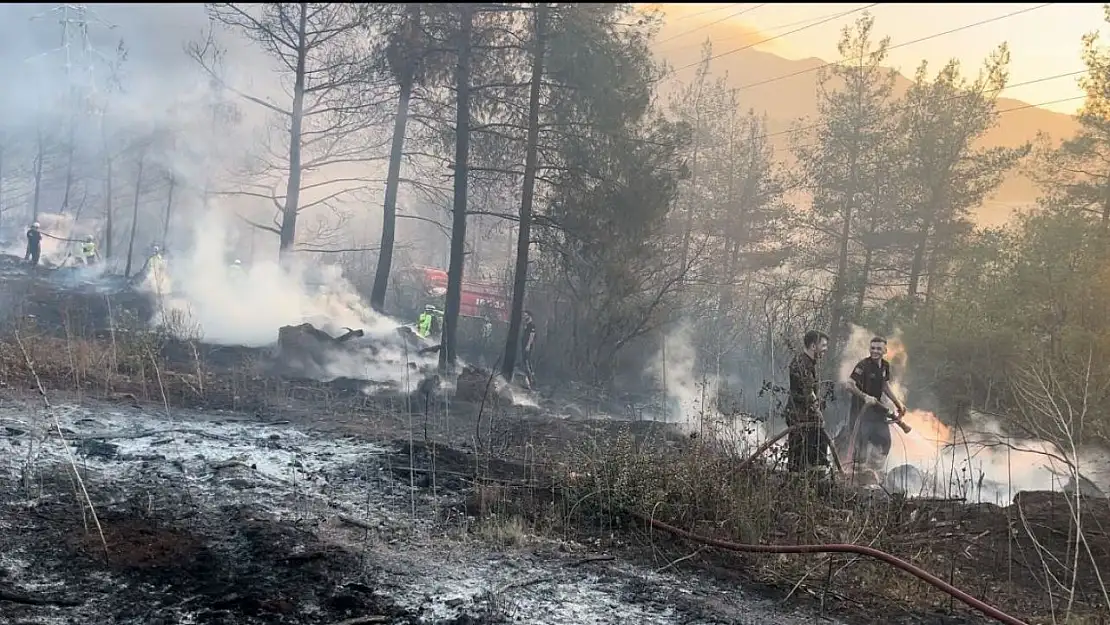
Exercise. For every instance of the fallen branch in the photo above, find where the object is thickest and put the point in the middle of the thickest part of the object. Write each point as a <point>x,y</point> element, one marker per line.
<point>522,584</point>
<point>227,464</point>
<point>357,523</point>
<point>745,463</point>
<point>676,561</point>
<point>26,599</point>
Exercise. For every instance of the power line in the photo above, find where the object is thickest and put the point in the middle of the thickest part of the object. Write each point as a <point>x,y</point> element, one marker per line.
<point>752,45</point>
<point>712,10</point>
<point>713,23</point>
<point>808,20</point>
<point>75,20</point>
<point>900,45</point>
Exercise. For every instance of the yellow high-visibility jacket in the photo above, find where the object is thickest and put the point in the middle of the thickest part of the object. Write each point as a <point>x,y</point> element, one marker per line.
<point>424,324</point>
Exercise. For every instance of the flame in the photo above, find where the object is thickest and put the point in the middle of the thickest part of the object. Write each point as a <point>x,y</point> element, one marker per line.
<point>928,425</point>
<point>950,464</point>
<point>896,352</point>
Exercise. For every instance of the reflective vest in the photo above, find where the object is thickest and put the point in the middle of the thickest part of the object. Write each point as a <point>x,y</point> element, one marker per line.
<point>424,324</point>
<point>88,249</point>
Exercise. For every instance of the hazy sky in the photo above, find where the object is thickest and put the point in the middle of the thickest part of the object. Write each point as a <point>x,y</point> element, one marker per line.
<point>1044,41</point>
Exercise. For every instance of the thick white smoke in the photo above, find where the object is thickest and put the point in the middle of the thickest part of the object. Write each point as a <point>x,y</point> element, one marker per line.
<point>224,304</point>
<point>976,461</point>
<point>691,401</point>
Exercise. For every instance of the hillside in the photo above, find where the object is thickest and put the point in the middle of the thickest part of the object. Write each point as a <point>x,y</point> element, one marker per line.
<point>789,99</point>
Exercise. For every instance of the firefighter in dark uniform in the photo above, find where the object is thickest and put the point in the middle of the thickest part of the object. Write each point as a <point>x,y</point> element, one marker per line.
<point>868,427</point>
<point>527,344</point>
<point>807,446</point>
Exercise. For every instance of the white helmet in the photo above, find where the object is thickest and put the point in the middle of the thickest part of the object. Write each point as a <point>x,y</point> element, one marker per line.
<point>35,225</point>
<point>156,249</point>
<point>89,237</point>
<point>237,262</point>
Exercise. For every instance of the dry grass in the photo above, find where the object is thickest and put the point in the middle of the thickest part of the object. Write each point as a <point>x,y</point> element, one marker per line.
<point>1022,559</point>
<point>132,361</point>
<point>986,550</point>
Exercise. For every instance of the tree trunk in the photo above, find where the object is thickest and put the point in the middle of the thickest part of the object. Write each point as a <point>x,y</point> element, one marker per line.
<point>1104,216</point>
<point>527,196</point>
<point>1,179</point>
<point>447,356</point>
<point>70,150</point>
<point>932,281</point>
<point>917,266</point>
<point>864,279</point>
<point>134,216</point>
<point>108,222</point>
<point>39,156</point>
<point>840,284</point>
<point>169,210</point>
<point>206,192</point>
<point>393,177</point>
<point>293,187</point>
<point>688,228</point>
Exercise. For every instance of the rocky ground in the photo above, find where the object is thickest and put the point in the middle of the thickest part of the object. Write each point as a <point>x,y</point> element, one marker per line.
<point>221,518</point>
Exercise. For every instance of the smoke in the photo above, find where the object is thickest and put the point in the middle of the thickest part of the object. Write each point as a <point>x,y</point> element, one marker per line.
<point>977,460</point>
<point>690,401</point>
<point>61,241</point>
<point>202,292</point>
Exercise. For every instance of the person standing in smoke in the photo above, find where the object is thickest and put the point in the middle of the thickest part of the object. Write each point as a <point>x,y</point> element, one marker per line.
<point>807,445</point>
<point>868,428</point>
<point>88,251</point>
<point>426,321</point>
<point>34,244</point>
<point>527,344</point>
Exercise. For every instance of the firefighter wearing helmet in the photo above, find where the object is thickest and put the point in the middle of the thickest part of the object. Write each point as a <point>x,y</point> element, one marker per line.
<point>88,250</point>
<point>34,244</point>
<point>427,322</point>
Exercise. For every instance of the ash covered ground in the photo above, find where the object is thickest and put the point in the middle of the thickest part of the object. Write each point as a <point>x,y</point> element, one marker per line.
<point>228,490</point>
<point>223,518</point>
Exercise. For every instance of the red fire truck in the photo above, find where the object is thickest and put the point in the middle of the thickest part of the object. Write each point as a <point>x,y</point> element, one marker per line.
<point>478,299</point>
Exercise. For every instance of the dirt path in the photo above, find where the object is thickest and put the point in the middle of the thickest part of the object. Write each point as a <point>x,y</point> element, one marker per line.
<point>223,519</point>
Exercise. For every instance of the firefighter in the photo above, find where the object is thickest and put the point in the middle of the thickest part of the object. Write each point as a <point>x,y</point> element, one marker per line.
<point>155,259</point>
<point>425,321</point>
<point>155,266</point>
<point>88,251</point>
<point>34,244</point>
<point>527,344</point>
<point>806,446</point>
<point>868,430</point>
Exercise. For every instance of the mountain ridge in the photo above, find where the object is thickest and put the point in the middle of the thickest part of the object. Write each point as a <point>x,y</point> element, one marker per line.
<point>792,98</point>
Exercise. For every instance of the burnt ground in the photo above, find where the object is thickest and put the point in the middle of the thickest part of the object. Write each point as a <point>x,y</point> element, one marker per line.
<point>299,517</point>
<point>228,495</point>
<point>228,519</point>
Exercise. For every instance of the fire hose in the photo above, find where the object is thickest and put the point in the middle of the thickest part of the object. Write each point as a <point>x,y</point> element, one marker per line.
<point>870,552</point>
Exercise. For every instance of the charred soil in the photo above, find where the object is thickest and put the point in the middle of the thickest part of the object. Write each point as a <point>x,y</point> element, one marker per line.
<point>320,502</point>
<point>222,565</point>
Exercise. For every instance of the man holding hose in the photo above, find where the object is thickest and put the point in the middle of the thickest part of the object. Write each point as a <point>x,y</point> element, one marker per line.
<point>868,429</point>
<point>806,446</point>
